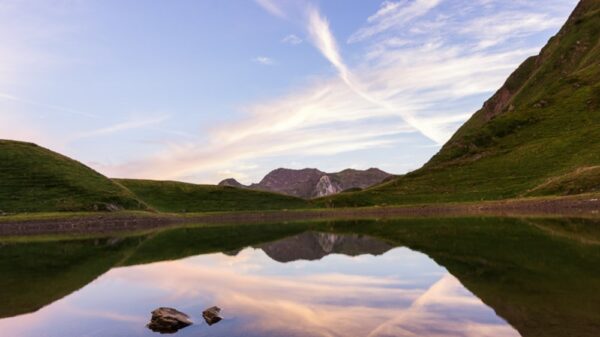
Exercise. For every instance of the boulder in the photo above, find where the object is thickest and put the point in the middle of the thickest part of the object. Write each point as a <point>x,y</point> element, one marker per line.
<point>168,320</point>
<point>212,315</point>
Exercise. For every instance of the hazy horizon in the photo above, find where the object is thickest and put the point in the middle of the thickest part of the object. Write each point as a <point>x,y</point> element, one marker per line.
<point>200,91</point>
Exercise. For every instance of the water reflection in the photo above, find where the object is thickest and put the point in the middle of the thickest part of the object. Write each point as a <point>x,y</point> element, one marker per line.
<point>339,279</point>
<point>398,293</point>
<point>315,245</point>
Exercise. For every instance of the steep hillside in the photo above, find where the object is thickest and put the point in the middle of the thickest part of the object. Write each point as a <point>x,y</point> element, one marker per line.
<point>34,179</point>
<point>171,196</point>
<point>312,183</point>
<point>542,128</point>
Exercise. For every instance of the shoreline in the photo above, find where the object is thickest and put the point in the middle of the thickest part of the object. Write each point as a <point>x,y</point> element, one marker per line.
<point>98,223</point>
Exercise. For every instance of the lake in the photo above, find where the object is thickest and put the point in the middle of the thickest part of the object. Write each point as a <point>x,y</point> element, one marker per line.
<point>403,277</point>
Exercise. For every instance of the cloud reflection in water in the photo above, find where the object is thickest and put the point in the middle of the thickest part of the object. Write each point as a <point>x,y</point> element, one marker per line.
<point>399,293</point>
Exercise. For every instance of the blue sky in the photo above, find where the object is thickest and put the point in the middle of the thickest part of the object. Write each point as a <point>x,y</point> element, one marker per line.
<point>202,90</point>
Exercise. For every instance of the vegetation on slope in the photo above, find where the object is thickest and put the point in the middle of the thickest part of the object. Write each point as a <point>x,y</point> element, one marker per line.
<point>582,180</point>
<point>543,123</point>
<point>171,196</point>
<point>35,179</point>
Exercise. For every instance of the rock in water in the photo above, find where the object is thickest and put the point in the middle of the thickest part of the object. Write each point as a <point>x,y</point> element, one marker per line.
<point>168,320</point>
<point>212,315</point>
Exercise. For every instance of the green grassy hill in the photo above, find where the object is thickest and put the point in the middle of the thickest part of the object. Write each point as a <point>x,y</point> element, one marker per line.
<point>538,135</point>
<point>171,196</point>
<point>35,179</point>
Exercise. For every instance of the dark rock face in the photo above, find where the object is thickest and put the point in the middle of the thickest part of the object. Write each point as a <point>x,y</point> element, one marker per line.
<point>312,183</point>
<point>212,315</point>
<point>168,320</point>
<point>299,183</point>
<point>314,246</point>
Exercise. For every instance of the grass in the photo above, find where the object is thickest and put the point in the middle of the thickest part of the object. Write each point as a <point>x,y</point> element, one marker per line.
<point>35,179</point>
<point>528,143</point>
<point>170,196</point>
<point>582,180</point>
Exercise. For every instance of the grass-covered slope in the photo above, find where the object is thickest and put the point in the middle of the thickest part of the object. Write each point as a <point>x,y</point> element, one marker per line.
<point>543,124</point>
<point>171,196</point>
<point>35,179</point>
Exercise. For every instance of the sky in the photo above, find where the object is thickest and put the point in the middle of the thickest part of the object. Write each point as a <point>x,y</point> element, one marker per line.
<point>203,90</point>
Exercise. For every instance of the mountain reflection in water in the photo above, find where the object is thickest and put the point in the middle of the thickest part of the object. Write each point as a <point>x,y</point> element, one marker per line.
<point>537,275</point>
<point>314,246</point>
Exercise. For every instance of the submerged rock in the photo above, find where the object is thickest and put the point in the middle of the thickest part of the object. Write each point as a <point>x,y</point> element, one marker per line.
<point>168,320</point>
<point>212,315</point>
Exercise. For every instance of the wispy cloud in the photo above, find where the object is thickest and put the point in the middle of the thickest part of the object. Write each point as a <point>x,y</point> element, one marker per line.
<point>266,61</point>
<point>415,71</point>
<point>326,43</point>
<point>122,126</point>
<point>393,15</point>
<point>52,107</point>
<point>272,7</point>
<point>292,39</point>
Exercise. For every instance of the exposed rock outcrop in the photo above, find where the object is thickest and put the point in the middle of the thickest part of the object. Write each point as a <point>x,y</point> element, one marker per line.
<point>326,187</point>
<point>168,320</point>
<point>312,183</point>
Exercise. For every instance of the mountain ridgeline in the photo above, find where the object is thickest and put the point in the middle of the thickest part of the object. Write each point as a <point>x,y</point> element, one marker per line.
<point>311,183</point>
<point>538,135</point>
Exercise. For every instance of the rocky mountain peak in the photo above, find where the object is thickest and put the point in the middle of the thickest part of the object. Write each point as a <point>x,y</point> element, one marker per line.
<point>313,183</point>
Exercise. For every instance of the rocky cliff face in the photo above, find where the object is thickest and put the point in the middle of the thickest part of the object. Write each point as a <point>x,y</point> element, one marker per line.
<point>326,187</point>
<point>313,183</point>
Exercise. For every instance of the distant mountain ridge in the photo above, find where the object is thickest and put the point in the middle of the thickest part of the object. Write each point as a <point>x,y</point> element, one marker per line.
<point>312,183</point>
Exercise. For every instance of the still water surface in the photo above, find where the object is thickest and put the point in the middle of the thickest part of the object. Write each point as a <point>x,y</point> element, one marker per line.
<point>311,283</point>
